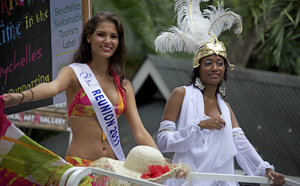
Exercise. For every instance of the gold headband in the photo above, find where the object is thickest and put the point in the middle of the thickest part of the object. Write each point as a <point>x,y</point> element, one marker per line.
<point>213,46</point>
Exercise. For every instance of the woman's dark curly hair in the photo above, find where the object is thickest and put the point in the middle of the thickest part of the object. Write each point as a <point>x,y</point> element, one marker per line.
<point>195,74</point>
<point>84,52</point>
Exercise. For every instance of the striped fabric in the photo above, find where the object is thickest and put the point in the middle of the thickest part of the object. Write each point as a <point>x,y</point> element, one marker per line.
<point>23,162</point>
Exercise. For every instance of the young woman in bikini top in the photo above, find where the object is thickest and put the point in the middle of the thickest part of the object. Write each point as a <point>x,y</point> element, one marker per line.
<point>103,49</point>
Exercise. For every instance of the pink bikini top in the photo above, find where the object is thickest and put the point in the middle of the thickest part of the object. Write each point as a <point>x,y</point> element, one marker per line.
<point>82,106</point>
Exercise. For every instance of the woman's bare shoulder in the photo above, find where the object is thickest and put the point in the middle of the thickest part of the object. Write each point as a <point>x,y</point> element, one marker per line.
<point>179,92</point>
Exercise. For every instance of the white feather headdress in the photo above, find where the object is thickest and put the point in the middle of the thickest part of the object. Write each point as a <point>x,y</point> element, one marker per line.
<point>195,29</point>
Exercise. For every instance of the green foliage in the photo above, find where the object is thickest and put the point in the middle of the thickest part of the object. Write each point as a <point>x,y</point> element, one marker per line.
<point>271,29</point>
<point>279,44</point>
<point>277,33</point>
<point>142,20</point>
<point>253,12</point>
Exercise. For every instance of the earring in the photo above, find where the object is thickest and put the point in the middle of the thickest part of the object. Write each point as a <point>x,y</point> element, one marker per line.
<point>222,88</point>
<point>198,83</point>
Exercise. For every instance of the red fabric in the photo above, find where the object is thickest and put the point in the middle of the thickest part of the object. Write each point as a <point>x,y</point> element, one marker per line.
<point>6,176</point>
<point>117,80</point>
<point>74,161</point>
<point>75,101</point>
<point>4,123</point>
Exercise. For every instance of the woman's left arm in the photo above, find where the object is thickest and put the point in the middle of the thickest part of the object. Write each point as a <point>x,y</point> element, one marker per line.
<point>249,154</point>
<point>141,135</point>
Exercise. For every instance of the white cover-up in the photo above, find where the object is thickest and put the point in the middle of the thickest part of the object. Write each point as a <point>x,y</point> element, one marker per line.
<point>207,151</point>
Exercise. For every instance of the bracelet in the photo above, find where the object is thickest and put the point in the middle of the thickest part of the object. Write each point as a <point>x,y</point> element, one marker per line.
<point>32,95</point>
<point>21,99</point>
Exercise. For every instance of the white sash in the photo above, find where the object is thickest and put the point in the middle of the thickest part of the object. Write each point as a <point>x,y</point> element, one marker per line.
<point>103,108</point>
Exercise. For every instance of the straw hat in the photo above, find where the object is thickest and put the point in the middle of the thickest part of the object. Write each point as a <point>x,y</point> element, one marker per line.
<point>138,162</point>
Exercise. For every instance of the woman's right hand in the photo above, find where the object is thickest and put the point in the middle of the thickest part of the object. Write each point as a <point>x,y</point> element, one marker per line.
<point>11,99</point>
<point>212,123</point>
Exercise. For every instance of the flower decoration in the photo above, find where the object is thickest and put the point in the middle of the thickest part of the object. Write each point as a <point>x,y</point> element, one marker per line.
<point>155,171</point>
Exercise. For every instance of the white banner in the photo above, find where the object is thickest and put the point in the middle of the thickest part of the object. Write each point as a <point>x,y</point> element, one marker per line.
<point>66,29</point>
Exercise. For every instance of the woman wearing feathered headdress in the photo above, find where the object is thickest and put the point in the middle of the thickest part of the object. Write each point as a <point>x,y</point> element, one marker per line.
<point>198,125</point>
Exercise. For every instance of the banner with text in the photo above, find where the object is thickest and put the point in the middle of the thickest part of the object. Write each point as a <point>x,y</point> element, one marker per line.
<point>53,117</point>
<point>37,39</point>
<point>66,29</point>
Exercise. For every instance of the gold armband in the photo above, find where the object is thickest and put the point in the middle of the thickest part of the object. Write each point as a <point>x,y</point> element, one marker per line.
<point>238,134</point>
<point>164,130</point>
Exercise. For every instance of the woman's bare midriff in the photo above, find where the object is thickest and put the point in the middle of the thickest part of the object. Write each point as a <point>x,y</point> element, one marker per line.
<point>87,140</point>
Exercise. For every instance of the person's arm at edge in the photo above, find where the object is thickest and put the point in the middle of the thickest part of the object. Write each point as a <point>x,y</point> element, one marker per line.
<point>141,135</point>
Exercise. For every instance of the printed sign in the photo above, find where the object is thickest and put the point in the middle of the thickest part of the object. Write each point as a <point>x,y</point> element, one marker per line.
<point>37,39</point>
<point>66,29</point>
<point>53,117</point>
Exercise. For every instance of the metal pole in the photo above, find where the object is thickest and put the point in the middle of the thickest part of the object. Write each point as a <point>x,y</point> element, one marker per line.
<point>86,11</point>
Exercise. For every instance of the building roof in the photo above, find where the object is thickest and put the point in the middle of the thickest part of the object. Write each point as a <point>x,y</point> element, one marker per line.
<point>266,104</point>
